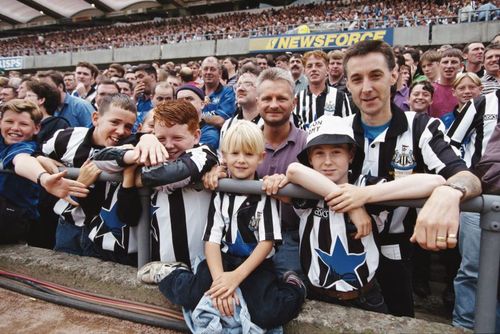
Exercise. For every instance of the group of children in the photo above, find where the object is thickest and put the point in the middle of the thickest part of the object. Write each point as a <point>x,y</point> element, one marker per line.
<point>339,256</point>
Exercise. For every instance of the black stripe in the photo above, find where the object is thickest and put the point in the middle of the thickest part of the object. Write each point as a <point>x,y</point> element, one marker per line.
<point>305,244</point>
<point>179,227</point>
<point>325,243</point>
<point>268,218</point>
<point>155,240</point>
<point>82,154</point>
<point>210,218</point>
<point>229,237</point>
<point>61,144</point>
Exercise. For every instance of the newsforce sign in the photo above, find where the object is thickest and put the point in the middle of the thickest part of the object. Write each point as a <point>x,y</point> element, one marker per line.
<point>303,42</point>
<point>11,63</point>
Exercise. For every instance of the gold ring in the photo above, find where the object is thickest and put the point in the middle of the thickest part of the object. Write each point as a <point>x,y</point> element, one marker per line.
<point>441,239</point>
<point>452,236</point>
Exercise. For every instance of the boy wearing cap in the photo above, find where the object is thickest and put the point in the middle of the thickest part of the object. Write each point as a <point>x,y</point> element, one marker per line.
<point>340,257</point>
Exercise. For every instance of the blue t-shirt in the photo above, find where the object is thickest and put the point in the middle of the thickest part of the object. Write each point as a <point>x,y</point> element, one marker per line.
<point>222,103</point>
<point>143,108</point>
<point>16,189</point>
<point>372,132</point>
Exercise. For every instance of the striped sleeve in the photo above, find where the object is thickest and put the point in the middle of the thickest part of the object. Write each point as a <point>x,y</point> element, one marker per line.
<point>49,148</point>
<point>469,118</point>
<point>437,153</point>
<point>270,227</point>
<point>214,229</point>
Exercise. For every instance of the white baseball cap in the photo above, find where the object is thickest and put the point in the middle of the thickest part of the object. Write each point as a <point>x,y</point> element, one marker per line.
<point>327,130</point>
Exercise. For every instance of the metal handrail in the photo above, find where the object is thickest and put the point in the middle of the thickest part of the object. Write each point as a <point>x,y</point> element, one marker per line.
<point>487,205</point>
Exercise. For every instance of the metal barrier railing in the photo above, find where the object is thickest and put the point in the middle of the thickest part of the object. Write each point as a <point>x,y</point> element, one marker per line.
<point>487,205</point>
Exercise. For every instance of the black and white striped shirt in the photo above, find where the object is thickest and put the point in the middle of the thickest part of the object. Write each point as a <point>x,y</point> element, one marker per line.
<point>310,107</point>
<point>239,222</point>
<point>72,147</point>
<point>329,254</point>
<point>413,143</point>
<point>474,125</point>
<point>178,208</point>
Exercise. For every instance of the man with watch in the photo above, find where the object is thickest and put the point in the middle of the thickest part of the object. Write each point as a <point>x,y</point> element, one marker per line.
<point>394,144</point>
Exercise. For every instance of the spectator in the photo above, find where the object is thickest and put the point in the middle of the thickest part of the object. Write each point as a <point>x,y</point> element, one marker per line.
<point>186,76</point>
<point>115,70</point>
<point>297,71</point>
<point>473,53</point>
<point>443,100</point>
<point>282,62</point>
<point>125,86</point>
<point>262,61</point>
<point>491,78</point>
<point>487,11</point>
<point>106,88</point>
<point>146,81</point>
<point>130,77</point>
<point>7,93</point>
<point>402,90</point>
<point>318,98</point>
<point>163,92</point>
<point>173,80</point>
<point>336,76</point>
<point>86,74</point>
<point>69,82</point>
<point>429,62</point>
<point>220,105</point>
<point>421,93</point>
<point>76,111</point>
<point>231,65</point>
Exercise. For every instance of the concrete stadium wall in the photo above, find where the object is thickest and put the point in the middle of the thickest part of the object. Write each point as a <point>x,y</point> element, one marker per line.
<point>418,36</point>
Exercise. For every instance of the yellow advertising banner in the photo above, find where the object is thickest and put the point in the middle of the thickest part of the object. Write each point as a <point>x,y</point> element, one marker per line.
<point>333,40</point>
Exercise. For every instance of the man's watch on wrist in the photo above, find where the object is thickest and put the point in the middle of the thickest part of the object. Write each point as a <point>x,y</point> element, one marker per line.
<point>460,188</point>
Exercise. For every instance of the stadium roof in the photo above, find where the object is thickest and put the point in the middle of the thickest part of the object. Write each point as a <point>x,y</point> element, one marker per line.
<point>25,11</point>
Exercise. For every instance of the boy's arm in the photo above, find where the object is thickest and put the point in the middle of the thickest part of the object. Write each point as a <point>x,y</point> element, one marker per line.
<point>226,283</point>
<point>310,179</point>
<point>28,167</point>
<point>414,186</point>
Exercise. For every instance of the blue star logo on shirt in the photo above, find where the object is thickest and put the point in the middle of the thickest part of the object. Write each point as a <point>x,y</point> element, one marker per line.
<point>110,217</point>
<point>341,263</point>
<point>152,210</point>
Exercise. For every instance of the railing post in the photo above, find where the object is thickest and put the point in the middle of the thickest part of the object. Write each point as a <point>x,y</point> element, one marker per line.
<point>489,263</point>
<point>143,234</point>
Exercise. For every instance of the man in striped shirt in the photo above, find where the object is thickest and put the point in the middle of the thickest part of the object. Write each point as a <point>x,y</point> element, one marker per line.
<point>318,98</point>
<point>491,78</point>
<point>471,132</point>
<point>393,144</point>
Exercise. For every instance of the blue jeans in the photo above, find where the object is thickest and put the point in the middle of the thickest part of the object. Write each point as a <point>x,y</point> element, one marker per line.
<point>466,281</point>
<point>73,239</point>
<point>287,256</point>
<point>270,301</point>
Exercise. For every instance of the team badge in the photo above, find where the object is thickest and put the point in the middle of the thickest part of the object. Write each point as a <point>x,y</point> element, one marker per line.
<point>403,162</point>
<point>253,225</point>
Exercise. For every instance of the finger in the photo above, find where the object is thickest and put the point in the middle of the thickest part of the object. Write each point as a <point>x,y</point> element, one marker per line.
<point>430,234</point>
<point>219,306</point>
<point>333,195</point>
<point>441,237</point>
<point>230,304</point>
<point>144,156</point>
<point>71,201</point>
<point>227,308</point>
<point>236,299</point>
<point>452,239</point>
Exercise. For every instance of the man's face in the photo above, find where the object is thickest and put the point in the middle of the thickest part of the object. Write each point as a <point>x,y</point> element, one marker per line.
<point>492,62</point>
<point>111,127</point>
<point>476,53</point>
<point>275,101</point>
<point>21,90</point>
<point>103,91</point>
<point>131,78</point>
<point>369,80</point>
<point>420,100</point>
<point>228,65</point>
<point>192,98</point>
<point>112,72</point>
<point>246,92</point>
<point>176,139</point>
<point>33,97</point>
<point>210,72</point>
<point>296,67</point>
<point>332,161</point>
<point>124,88</point>
<point>7,94</point>
<point>316,70</point>
<point>196,70</point>
<point>408,60</point>
<point>430,70</point>
<point>17,127</point>
<point>404,74</point>
<point>262,62</point>
<point>162,94</point>
<point>84,75</point>
<point>148,80</point>
<point>174,81</point>
<point>70,82</point>
<point>449,67</point>
<point>335,68</point>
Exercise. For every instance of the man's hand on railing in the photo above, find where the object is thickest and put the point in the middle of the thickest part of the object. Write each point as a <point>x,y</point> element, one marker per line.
<point>89,173</point>
<point>50,165</point>
<point>437,222</point>
<point>211,178</point>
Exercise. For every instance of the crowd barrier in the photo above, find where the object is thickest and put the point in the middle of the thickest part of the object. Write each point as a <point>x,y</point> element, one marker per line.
<point>487,205</point>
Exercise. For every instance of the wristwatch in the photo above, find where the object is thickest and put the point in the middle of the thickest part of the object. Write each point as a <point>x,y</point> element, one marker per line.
<point>460,188</point>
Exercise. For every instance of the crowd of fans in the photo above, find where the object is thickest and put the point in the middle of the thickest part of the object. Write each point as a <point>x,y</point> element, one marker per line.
<point>339,14</point>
